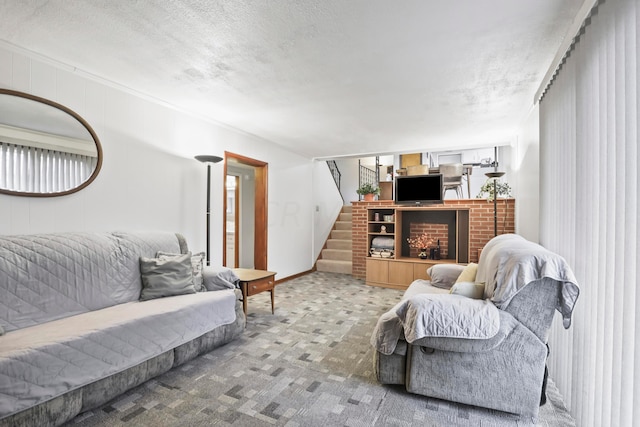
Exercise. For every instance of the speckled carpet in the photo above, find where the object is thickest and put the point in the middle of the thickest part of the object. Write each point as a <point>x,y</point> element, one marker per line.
<point>309,364</point>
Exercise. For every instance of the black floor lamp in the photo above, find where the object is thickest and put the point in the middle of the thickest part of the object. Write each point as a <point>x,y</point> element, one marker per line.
<point>208,160</point>
<point>495,175</point>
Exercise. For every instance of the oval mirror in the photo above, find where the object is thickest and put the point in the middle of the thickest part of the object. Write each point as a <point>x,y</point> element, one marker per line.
<point>46,149</point>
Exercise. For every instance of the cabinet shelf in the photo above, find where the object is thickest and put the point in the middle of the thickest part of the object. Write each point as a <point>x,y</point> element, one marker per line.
<point>450,225</point>
<point>425,261</point>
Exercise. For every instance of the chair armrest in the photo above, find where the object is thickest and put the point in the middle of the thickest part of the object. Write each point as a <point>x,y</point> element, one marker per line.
<point>465,345</point>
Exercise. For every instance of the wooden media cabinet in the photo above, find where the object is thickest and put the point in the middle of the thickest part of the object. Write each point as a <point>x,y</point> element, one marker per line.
<point>448,225</point>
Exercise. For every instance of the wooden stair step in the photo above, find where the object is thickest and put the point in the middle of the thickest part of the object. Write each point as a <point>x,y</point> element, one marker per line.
<point>337,254</point>
<point>341,234</point>
<point>342,225</point>
<point>339,244</point>
<point>334,266</point>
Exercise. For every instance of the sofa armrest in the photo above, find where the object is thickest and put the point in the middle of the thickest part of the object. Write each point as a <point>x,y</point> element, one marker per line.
<point>216,279</point>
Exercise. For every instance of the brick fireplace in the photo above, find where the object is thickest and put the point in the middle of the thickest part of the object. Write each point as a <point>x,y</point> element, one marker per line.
<point>480,221</point>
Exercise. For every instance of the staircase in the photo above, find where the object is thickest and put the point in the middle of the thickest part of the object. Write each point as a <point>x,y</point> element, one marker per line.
<point>336,257</point>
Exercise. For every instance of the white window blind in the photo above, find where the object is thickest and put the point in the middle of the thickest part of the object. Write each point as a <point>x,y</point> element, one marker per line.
<point>31,169</point>
<point>589,214</point>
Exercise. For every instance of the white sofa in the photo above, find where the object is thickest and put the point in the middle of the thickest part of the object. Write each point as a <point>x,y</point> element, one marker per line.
<point>74,333</point>
<point>488,351</point>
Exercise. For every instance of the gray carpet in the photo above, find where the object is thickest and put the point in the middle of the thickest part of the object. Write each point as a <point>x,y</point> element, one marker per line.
<point>310,364</point>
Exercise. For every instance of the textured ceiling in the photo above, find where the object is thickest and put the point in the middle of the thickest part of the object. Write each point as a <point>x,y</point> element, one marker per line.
<point>324,78</point>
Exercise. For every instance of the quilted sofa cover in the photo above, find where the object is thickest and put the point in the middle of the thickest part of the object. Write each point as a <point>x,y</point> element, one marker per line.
<point>69,306</point>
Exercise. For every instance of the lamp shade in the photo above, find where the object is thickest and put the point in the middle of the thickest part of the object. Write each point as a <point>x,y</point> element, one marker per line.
<point>205,158</point>
<point>494,174</point>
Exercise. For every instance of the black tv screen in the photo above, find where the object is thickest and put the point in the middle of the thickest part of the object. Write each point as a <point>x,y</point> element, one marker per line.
<point>418,189</point>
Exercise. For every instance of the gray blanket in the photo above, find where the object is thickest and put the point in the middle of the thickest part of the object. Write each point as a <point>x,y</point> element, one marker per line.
<point>509,262</point>
<point>435,315</point>
<point>507,265</point>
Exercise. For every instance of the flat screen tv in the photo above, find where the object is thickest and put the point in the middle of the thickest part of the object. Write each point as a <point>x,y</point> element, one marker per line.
<point>418,189</point>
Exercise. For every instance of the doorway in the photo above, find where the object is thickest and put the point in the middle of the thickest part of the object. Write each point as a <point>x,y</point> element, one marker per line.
<point>232,218</point>
<point>245,207</point>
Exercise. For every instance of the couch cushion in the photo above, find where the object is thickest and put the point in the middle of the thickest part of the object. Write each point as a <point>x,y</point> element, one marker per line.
<point>468,289</point>
<point>469,273</point>
<point>44,361</point>
<point>197,264</point>
<point>166,276</point>
<point>420,286</point>
<point>444,275</point>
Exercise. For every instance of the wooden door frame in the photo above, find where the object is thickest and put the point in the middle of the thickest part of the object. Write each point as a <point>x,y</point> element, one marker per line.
<point>260,218</point>
<point>236,222</point>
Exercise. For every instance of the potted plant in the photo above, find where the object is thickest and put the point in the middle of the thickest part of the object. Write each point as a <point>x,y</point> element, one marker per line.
<point>501,188</point>
<point>369,191</point>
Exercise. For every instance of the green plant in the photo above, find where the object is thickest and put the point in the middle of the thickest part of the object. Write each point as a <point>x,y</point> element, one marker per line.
<point>368,189</point>
<point>486,191</point>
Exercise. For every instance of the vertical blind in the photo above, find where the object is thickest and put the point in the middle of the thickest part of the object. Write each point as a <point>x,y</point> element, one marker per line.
<point>589,214</point>
<point>36,170</point>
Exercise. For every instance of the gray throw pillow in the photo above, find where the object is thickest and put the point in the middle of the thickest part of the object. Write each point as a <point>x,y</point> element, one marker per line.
<point>197,263</point>
<point>444,275</point>
<point>166,277</point>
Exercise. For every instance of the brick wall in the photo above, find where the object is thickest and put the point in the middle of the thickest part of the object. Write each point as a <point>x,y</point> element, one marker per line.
<point>480,225</point>
<point>435,231</point>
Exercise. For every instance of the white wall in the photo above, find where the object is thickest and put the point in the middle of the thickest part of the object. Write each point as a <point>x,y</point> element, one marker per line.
<point>328,204</point>
<point>349,180</point>
<point>526,167</point>
<point>149,179</point>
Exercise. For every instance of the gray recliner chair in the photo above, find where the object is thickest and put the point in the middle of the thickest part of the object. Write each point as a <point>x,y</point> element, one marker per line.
<point>524,283</point>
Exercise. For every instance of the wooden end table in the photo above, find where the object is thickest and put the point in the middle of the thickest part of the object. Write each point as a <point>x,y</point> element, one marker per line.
<point>253,282</point>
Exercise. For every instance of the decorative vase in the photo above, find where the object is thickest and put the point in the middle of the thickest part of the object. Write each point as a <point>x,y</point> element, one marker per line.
<point>423,253</point>
<point>369,197</point>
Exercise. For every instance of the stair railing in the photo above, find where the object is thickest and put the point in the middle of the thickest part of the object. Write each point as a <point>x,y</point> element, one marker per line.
<point>335,172</point>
